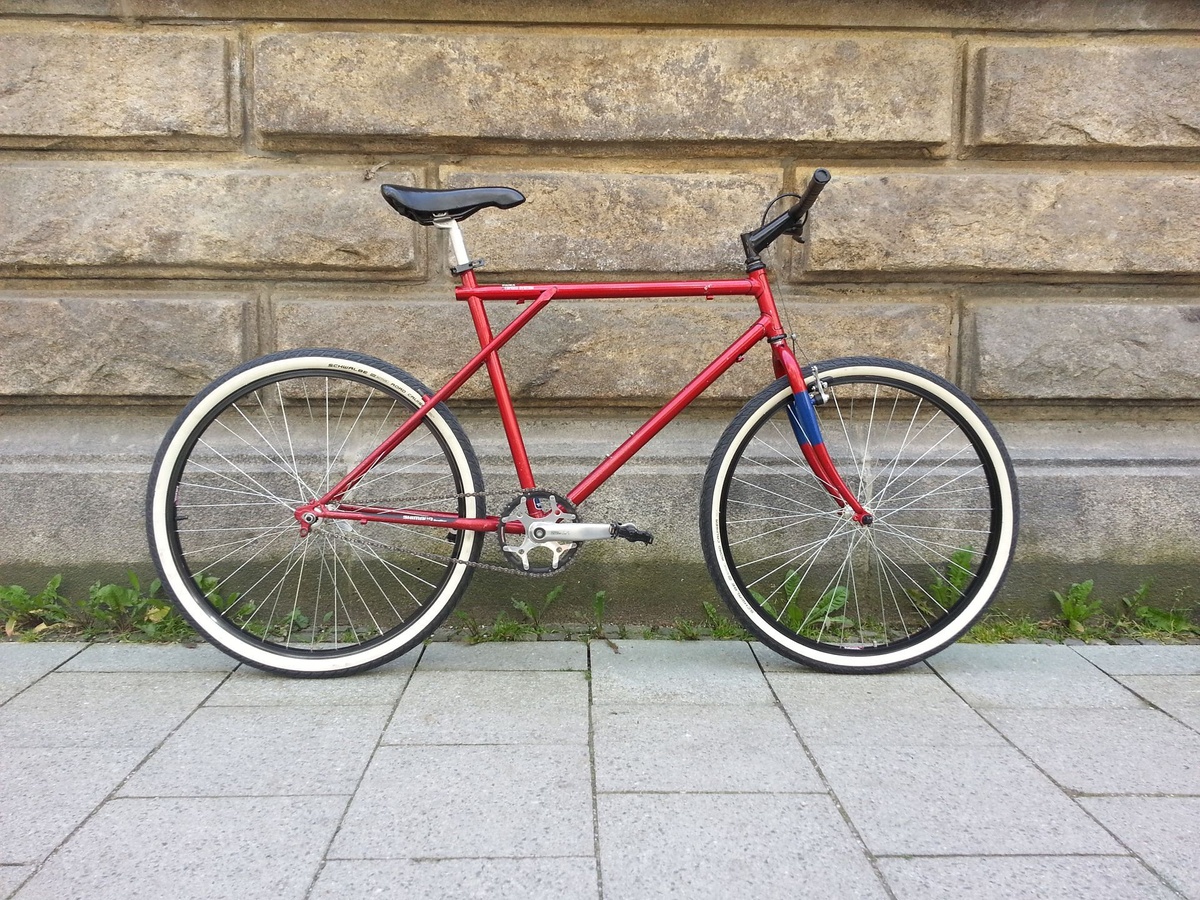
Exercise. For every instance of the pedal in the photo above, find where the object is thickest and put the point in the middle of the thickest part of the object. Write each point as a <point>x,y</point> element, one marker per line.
<point>632,533</point>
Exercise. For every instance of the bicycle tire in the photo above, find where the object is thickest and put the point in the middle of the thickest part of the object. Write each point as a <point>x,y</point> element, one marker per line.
<point>277,432</point>
<point>841,597</point>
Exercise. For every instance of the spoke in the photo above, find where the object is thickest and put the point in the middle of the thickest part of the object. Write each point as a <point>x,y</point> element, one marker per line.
<point>293,472</point>
<point>382,593</point>
<point>265,491</point>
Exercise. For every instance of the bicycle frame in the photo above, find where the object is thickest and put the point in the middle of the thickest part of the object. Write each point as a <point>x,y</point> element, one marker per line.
<point>767,327</point>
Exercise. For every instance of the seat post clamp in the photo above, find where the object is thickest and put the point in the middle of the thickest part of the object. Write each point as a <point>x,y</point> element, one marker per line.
<point>465,267</point>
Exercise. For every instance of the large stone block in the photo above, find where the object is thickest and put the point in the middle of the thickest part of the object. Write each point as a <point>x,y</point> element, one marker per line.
<point>1105,96</point>
<point>1015,15</point>
<point>143,219</point>
<point>83,88</point>
<point>617,221</point>
<point>1098,224</point>
<point>118,345</point>
<point>602,88</point>
<point>1127,351</point>
<point>611,353</point>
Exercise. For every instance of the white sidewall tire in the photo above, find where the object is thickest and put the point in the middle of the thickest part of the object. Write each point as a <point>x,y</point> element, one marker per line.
<point>941,638</point>
<point>181,587</point>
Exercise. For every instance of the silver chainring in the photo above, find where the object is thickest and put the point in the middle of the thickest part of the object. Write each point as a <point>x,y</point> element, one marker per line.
<point>553,509</point>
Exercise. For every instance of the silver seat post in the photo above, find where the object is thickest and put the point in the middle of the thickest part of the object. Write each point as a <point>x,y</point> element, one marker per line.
<point>458,248</point>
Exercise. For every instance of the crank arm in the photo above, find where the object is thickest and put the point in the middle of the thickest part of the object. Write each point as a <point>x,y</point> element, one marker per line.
<point>573,532</point>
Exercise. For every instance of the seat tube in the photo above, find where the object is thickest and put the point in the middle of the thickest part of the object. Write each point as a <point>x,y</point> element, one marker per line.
<point>508,415</point>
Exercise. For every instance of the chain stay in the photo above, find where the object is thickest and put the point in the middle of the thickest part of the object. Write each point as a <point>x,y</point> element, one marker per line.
<point>490,567</point>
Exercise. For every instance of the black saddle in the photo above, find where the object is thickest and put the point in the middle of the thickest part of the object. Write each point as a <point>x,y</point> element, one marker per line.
<point>424,205</point>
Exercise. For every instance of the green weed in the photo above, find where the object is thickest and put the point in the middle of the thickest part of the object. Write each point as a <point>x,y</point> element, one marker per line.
<point>536,614</point>
<point>1077,606</point>
<point>1171,621</point>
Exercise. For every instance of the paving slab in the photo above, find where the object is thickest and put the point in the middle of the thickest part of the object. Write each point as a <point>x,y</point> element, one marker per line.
<point>459,879</point>
<point>11,876</point>
<point>492,707</point>
<point>99,709</point>
<point>664,747</point>
<point>150,658</point>
<point>192,849</point>
<point>681,767</point>
<point>250,751</point>
<point>49,791</point>
<point>23,664</point>
<point>253,687</point>
<point>730,845</point>
<point>1028,676</point>
<point>911,708</point>
<point>702,672</point>
<point>1176,695</point>
<point>1027,877</point>
<point>948,800</point>
<point>443,802</point>
<point>1163,831</point>
<point>1106,751</point>
<point>522,655</point>
<point>1163,659</point>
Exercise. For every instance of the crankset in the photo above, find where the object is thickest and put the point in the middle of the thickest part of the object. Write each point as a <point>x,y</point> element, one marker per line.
<point>550,525</point>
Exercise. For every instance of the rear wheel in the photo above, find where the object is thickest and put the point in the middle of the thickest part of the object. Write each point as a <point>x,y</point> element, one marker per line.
<point>279,432</point>
<point>820,588</point>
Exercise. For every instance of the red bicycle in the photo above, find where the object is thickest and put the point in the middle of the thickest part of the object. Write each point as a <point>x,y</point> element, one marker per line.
<point>319,512</point>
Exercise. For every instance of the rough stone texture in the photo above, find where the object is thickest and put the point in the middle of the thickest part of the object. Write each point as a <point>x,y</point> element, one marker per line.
<point>1089,106</point>
<point>64,88</point>
<point>987,224</point>
<point>1020,15</point>
<point>117,345</point>
<point>135,218</point>
<point>211,154</point>
<point>673,87</point>
<point>627,351</point>
<point>617,221</point>
<point>1053,350</point>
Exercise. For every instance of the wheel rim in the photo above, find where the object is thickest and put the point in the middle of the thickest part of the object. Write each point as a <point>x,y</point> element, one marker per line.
<point>348,589</point>
<point>844,594</point>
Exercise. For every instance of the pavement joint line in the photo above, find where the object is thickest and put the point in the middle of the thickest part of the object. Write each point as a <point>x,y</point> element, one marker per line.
<point>1073,796</point>
<point>337,829</point>
<point>591,707</point>
<point>111,796</point>
<point>37,680</point>
<point>1145,700</point>
<point>829,792</point>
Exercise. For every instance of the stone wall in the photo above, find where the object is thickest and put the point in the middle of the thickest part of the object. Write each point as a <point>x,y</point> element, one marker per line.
<point>1015,204</point>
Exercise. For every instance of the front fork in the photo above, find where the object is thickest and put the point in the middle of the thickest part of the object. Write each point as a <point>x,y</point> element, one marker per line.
<point>802,414</point>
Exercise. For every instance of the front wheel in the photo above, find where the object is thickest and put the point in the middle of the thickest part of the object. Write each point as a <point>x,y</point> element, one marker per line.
<point>836,595</point>
<point>280,432</point>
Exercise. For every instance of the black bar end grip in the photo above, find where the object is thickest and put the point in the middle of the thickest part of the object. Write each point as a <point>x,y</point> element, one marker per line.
<point>757,241</point>
<point>816,184</point>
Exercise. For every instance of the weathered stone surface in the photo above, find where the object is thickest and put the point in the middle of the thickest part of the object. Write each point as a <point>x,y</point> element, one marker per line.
<point>60,7</point>
<point>154,217</point>
<point>63,88</point>
<point>1018,15</point>
<point>524,86</point>
<point>108,345</point>
<point>997,224</point>
<point>1104,95</point>
<point>1082,350</point>
<point>618,352</point>
<point>616,222</point>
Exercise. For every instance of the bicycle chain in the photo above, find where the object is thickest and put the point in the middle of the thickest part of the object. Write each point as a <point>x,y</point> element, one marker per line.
<point>488,567</point>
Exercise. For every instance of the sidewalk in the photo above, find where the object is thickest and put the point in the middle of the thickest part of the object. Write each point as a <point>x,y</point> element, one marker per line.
<point>530,770</point>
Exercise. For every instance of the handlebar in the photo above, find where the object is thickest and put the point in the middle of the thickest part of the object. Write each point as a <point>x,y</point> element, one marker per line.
<point>757,241</point>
